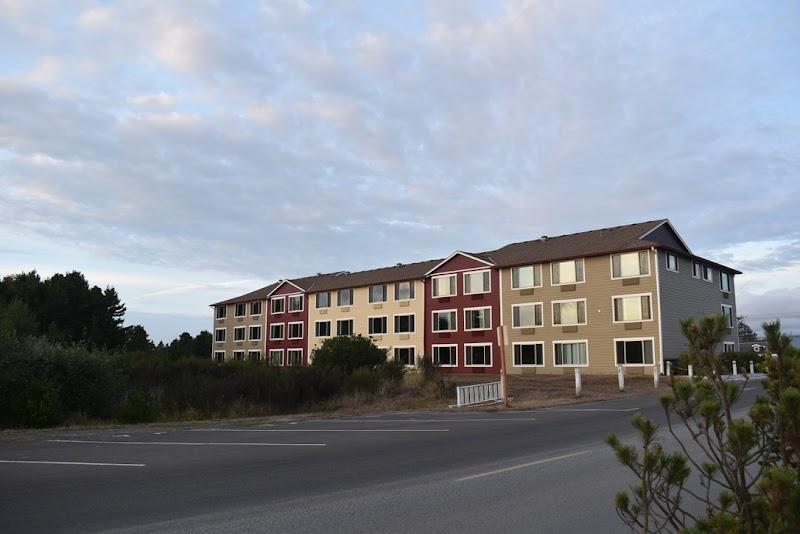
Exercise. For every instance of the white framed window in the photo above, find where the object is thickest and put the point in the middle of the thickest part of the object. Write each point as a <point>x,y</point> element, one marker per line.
<point>528,354</point>
<point>477,282</point>
<point>567,272</point>
<point>276,357</point>
<point>238,333</point>
<point>239,309</point>
<point>344,297</point>
<point>444,321</point>
<point>295,330</point>
<point>255,333</point>
<point>222,312</point>
<point>322,328</point>
<point>569,312</point>
<point>571,353</point>
<point>238,355</point>
<point>377,325</point>
<point>443,286</point>
<point>632,308</point>
<point>725,282</point>
<point>404,290</point>
<point>254,355</point>
<point>404,324</point>
<point>478,354</point>
<point>255,308</point>
<point>696,270</point>
<point>377,294</point>
<point>634,351</point>
<point>277,304</point>
<point>219,356</point>
<point>276,331</point>
<point>527,315</point>
<point>405,355</point>
<point>219,334</point>
<point>294,357</point>
<point>630,265</point>
<point>445,355</point>
<point>296,303</point>
<point>344,327</point>
<point>708,273</point>
<point>672,262</point>
<point>727,311</point>
<point>323,300</point>
<point>526,277</point>
<point>728,346</point>
<point>478,318</point>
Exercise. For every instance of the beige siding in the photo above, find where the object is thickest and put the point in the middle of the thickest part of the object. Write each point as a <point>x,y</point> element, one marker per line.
<point>600,329</point>
<point>231,322</point>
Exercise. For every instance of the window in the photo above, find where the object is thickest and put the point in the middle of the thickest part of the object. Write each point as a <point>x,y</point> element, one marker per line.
<point>569,312</point>
<point>672,262</point>
<point>276,331</point>
<point>634,351</point>
<point>728,346</point>
<point>322,328</point>
<point>377,325</point>
<point>444,286</point>
<point>294,356</point>
<point>527,315</point>
<point>708,273</point>
<point>238,333</point>
<point>255,308</point>
<point>219,335</point>
<point>278,304</point>
<point>253,355</point>
<point>219,356</point>
<point>445,321</point>
<point>566,272</point>
<point>323,300</point>
<point>404,355</point>
<point>478,319</point>
<point>445,355</point>
<point>526,277</point>
<point>403,324</point>
<point>377,293</point>
<point>239,311</point>
<point>344,327</point>
<point>727,311</point>
<point>255,333</point>
<point>725,282</point>
<point>296,303</point>
<point>222,312</point>
<point>570,353</point>
<point>477,282</point>
<point>344,297</point>
<point>404,291</point>
<point>276,357</point>
<point>478,355</point>
<point>528,354</point>
<point>630,265</point>
<point>632,308</point>
<point>295,330</point>
<point>238,355</point>
<point>695,269</point>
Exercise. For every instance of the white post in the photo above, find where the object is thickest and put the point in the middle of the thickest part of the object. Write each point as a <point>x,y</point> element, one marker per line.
<point>691,371</point>
<point>669,368</point>
<point>621,377</point>
<point>655,375</point>
<point>577,381</point>
<point>735,369</point>
<point>752,369</point>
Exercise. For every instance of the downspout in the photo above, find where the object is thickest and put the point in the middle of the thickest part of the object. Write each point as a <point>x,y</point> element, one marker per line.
<point>658,293</point>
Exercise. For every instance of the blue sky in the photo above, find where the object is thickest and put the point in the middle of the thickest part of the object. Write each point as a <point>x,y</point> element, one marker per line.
<point>187,152</point>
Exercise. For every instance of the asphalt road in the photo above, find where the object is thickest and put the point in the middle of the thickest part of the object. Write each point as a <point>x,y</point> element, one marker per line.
<point>537,471</point>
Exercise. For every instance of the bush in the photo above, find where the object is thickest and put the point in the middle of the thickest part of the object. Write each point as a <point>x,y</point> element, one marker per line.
<point>348,353</point>
<point>365,381</point>
<point>139,408</point>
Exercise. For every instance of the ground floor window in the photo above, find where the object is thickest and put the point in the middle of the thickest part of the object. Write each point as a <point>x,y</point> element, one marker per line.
<point>478,355</point>
<point>219,356</point>
<point>729,346</point>
<point>295,356</point>
<point>323,329</point>
<point>238,355</point>
<point>634,351</point>
<point>445,355</point>
<point>528,354</point>
<point>405,355</point>
<point>276,357</point>
<point>570,353</point>
<point>254,355</point>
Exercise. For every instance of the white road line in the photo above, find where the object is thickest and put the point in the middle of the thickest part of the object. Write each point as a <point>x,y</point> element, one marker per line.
<point>521,466</point>
<point>488,419</point>
<point>590,409</point>
<point>187,443</point>
<point>748,389</point>
<point>68,463</point>
<point>318,430</point>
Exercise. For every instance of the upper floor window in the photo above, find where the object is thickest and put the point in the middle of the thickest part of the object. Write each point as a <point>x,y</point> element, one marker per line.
<point>344,327</point>
<point>445,321</point>
<point>344,297</point>
<point>632,308</point>
<point>404,291</point>
<point>404,355</point>
<point>377,293</point>
<point>255,333</point>
<point>295,330</point>
<point>403,324</point>
<point>727,311</point>
<point>296,303</point>
<point>526,277</point>
<point>238,333</point>
<point>240,310</point>
<point>277,304</point>
<point>708,273</point>
<point>477,282</point>
<point>276,331</point>
<point>527,315</point>
<point>672,262</point>
<point>696,269</point>
<point>567,272</point>
<point>444,286</point>
<point>478,319</point>
<point>377,325</point>
<point>255,308</point>
<point>219,335</point>
<point>323,328</point>
<point>725,282</point>
<point>569,312</point>
<point>323,300</point>
<point>222,312</point>
<point>630,265</point>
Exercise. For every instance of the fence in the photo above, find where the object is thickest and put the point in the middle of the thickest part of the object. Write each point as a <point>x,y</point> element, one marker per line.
<point>479,394</point>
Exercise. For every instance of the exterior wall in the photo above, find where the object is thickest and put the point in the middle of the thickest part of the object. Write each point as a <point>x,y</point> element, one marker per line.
<point>362,309</point>
<point>230,322</point>
<point>285,291</point>
<point>600,329</point>
<point>459,302</point>
<point>685,296</point>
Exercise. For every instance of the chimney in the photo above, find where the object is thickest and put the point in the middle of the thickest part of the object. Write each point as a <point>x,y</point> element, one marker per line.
<point>543,238</point>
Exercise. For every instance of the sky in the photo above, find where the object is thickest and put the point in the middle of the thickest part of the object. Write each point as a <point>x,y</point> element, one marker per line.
<point>187,152</point>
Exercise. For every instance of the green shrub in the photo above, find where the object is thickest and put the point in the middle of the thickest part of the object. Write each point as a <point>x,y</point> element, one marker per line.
<point>39,405</point>
<point>365,381</point>
<point>139,408</point>
<point>348,353</point>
